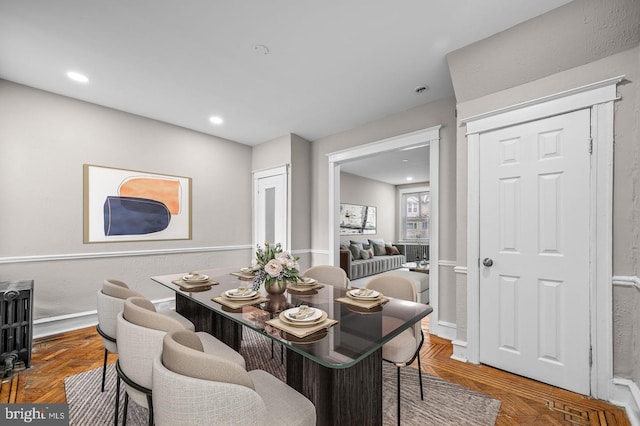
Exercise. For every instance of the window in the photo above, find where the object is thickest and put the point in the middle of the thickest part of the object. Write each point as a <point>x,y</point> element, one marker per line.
<point>414,215</point>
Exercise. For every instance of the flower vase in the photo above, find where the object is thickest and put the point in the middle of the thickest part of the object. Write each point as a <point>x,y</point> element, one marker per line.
<point>276,287</point>
<point>276,303</point>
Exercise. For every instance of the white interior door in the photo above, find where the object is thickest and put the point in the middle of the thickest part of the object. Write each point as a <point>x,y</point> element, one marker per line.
<point>534,250</point>
<point>270,207</point>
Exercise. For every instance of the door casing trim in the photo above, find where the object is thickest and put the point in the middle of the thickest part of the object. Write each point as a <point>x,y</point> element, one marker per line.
<point>599,97</point>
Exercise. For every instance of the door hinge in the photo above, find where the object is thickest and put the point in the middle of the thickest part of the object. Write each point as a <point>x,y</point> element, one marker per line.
<point>590,145</point>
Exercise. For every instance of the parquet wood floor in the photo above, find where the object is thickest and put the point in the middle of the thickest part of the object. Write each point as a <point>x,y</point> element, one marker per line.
<point>524,401</point>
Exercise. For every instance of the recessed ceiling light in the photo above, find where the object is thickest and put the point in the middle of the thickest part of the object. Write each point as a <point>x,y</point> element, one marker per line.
<point>216,120</point>
<point>76,76</point>
<point>404,160</point>
<point>409,178</point>
<point>260,49</point>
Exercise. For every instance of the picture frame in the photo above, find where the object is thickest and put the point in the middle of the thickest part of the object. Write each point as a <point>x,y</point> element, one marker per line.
<point>121,205</point>
<point>357,219</point>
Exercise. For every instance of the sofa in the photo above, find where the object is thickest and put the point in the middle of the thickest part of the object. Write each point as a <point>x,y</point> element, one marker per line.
<point>361,258</point>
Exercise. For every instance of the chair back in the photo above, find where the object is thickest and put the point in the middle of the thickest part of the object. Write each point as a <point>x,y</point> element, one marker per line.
<point>399,287</point>
<point>110,301</point>
<point>196,388</point>
<point>140,331</point>
<point>328,274</point>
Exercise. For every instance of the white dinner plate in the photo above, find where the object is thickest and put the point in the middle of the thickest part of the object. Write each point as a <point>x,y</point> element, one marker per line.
<point>307,281</point>
<point>197,278</point>
<point>231,294</point>
<point>355,293</point>
<point>316,315</point>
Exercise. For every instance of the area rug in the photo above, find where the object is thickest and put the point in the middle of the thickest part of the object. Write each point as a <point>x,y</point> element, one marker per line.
<point>445,403</point>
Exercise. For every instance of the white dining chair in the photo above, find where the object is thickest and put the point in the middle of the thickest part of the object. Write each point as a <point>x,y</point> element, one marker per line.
<point>328,274</point>
<point>403,349</point>
<point>194,388</point>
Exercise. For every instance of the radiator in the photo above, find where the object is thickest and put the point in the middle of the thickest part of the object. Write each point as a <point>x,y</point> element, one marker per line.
<point>414,251</point>
<point>16,325</point>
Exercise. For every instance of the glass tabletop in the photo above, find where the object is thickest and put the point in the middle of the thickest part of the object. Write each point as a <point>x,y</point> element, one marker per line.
<point>357,333</point>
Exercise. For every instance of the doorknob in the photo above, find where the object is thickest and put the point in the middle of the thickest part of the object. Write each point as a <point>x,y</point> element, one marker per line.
<point>488,262</point>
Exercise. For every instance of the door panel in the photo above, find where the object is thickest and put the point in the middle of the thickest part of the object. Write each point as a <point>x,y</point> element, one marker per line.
<point>534,226</point>
<point>271,210</point>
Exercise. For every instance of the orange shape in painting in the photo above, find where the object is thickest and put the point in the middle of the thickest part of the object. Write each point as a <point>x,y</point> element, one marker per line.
<point>164,190</point>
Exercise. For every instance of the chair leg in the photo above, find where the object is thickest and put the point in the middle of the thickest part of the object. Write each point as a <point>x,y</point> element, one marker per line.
<point>126,406</point>
<point>398,395</point>
<point>281,354</point>
<point>150,405</point>
<point>117,407</point>
<point>104,368</point>
<point>420,377</point>
<point>272,349</point>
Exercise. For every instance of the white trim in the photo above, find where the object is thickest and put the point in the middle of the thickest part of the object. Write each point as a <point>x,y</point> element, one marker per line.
<point>50,326</point>
<point>282,170</point>
<point>400,192</point>
<point>447,263</point>
<point>102,255</point>
<point>431,136</point>
<point>460,270</point>
<point>626,394</point>
<point>623,281</point>
<point>446,330</point>
<point>599,97</point>
<point>459,350</point>
<point>272,171</point>
<point>558,103</point>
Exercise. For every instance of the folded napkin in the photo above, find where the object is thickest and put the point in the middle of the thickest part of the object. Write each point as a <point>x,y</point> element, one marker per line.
<point>236,304</point>
<point>301,331</point>
<point>243,276</point>
<point>185,285</point>
<point>367,304</point>
<point>303,312</point>
<point>303,288</point>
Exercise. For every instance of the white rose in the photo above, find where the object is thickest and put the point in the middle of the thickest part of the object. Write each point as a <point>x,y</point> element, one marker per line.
<point>273,268</point>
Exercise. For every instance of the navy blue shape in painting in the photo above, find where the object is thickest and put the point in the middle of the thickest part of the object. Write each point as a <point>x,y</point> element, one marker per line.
<point>134,216</point>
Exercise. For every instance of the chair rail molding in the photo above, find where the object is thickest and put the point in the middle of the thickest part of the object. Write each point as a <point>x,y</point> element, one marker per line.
<point>129,253</point>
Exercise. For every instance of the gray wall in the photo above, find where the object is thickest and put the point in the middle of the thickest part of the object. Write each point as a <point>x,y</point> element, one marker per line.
<point>44,141</point>
<point>577,44</point>
<point>441,112</point>
<point>368,192</point>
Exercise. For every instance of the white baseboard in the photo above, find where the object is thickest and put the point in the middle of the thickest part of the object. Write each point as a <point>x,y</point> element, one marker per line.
<point>44,327</point>
<point>626,394</point>
<point>446,330</point>
<point>459,350</point>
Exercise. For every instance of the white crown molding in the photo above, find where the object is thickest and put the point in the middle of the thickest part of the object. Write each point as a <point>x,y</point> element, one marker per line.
<point>102,255</point>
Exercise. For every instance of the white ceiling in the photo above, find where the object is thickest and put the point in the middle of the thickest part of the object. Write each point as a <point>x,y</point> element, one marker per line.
<point>393,167</point>
<point>332,65</point>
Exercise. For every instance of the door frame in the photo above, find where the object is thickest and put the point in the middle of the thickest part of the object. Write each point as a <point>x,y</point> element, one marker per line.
<point>261,174</point>
<point>429,135</point>
<point>599,97</point>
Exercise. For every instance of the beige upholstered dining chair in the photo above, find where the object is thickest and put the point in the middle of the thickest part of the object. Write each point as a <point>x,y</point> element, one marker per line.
<point>328,274</point>
<point>110,301</point>
<point>194,388</point>
<point>140,331</point>
<point>403,349</point>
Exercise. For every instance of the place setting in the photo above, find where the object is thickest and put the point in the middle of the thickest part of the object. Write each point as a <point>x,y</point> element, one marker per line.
<point>238,297</point>
<point>305,285</point>
<point>302,321</point>
<point>194,281</point>
<point>365,299</point>
<point>246,274</point>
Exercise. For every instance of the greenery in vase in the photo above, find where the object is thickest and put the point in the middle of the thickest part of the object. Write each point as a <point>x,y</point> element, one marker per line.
<point>273,266</point>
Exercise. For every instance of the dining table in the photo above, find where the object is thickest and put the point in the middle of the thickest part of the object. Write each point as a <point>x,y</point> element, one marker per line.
<point>336,363</point>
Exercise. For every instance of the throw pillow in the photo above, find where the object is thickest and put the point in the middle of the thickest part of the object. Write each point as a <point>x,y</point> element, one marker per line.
<point>364,254</point>
<point>391,250</point>
<point>355,250</point>
<point>365,244</point>
<point>378,247</point>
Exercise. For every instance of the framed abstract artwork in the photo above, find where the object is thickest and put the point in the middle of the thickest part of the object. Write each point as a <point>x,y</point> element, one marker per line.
<point>129,205</point>
<point>356,219</point>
